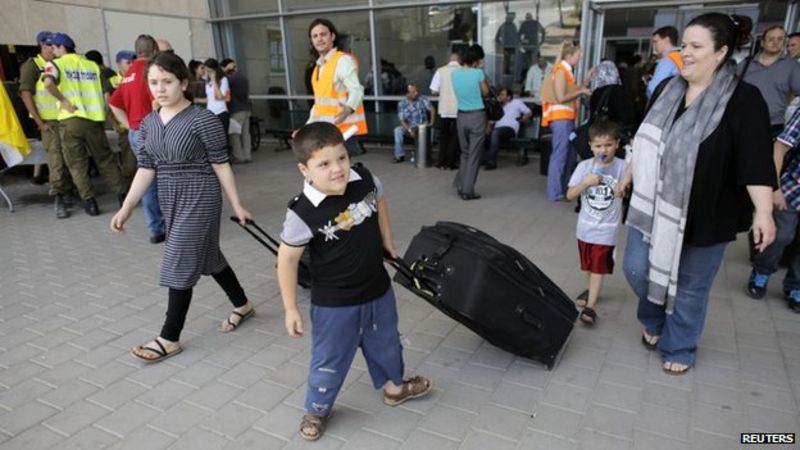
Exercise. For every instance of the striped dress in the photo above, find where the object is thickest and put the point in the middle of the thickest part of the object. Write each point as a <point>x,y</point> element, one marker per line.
<point>181,152</point>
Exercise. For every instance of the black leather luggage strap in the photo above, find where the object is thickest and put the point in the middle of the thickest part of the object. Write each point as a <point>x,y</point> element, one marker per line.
<point>441,251</point>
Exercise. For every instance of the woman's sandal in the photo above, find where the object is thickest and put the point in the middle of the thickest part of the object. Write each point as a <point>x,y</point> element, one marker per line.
<point>669,370</point>
<point>160,352</point>
<point>414,387</point>
<point>315,423</point>
<point>649,342</point>
<point>588,316</point>
<point>582,298</point>
<point>228,325</point>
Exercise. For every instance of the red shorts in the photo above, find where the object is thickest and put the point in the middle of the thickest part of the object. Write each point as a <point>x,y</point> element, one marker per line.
<point>596,258</point>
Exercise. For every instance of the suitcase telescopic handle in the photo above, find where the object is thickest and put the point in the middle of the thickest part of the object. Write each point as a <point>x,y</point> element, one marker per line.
<point>529,318</point>
<point>272,245</point>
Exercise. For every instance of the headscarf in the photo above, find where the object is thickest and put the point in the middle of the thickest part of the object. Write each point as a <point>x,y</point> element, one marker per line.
<point>605,73</point>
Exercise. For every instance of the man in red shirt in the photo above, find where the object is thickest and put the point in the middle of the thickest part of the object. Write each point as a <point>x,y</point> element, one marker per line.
<point>131,102</point>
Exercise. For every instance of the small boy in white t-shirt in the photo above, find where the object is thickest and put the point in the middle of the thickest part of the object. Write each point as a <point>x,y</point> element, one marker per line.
<point>595,180</point>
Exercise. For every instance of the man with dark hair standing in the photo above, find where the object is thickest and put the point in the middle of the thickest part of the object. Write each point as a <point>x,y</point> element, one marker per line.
<point>239,108</point>
<point>775,75</point>
<point>338,94</point>
<point>130,104</point>
<point>664,42</point>
<point>81,90</point>
<point>43,109</point>
<point>793,48</point>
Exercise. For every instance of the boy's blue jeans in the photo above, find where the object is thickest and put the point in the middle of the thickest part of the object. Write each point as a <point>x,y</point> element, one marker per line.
<point>680,331</point>
<point>336,333</point>
<point>152,212</point>
<point>766,262</point>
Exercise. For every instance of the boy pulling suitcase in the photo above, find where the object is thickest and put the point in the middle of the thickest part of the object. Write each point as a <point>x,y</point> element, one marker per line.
<point>343,217</point>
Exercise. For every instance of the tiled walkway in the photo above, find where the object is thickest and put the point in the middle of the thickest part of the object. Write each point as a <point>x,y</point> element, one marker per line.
<point>74,298</point>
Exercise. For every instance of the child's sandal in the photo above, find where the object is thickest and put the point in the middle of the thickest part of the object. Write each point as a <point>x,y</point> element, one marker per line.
<point>315,423</point>
<point>414,387</point>
<point>582,299</point>
<point>588,316</point>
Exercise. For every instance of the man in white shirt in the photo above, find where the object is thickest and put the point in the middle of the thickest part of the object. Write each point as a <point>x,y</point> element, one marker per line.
<point>514,112</point>
<point>442,85</point>
<point>535,78</point>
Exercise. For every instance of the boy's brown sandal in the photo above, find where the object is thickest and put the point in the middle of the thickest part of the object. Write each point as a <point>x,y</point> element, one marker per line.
<point>414,387</point>
<point>315,423</point>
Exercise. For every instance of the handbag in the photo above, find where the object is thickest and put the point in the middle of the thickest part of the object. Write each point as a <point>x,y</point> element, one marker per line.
<point>494,110</point>
<point>582,132</point>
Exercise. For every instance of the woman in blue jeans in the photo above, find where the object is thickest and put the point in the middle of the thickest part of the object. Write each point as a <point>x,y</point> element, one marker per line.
<point>701,161</point>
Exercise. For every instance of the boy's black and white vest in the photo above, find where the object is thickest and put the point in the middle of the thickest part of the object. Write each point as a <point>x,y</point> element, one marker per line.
<point>346,249</point>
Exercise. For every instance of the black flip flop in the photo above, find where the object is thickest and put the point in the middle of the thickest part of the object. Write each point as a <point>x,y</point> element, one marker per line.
<point>242,318</point>
<point>160,351</point>
<point>648,345</point>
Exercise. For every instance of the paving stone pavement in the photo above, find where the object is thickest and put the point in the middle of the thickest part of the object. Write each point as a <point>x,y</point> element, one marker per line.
<point>74,298</point>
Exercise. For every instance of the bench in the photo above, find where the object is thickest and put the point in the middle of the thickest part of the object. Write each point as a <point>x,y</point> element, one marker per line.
<point>527,139</point>
<point>380,129</point>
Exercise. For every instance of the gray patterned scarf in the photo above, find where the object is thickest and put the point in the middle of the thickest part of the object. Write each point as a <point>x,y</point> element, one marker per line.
<point>664,157</point>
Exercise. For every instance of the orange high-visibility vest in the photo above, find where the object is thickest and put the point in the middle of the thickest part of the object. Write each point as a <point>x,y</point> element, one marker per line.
<point>559,111</point>
<point>328,102</point>
<point>675,57</point>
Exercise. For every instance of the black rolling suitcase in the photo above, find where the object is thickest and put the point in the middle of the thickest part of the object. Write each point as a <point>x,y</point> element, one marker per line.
<point>489,287</point>
<point>303,270</point>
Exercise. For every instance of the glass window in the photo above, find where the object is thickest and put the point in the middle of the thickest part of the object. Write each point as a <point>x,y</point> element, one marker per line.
<point>297,5</point>
<point>354,34</point>
<point>224,8</point>
<point>259,54</point>
<point>514,33</point>
<point>413,42</point>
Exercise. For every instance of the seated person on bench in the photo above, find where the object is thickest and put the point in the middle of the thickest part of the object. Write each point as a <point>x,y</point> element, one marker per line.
<point>413,111</point>
<point>507,127</point>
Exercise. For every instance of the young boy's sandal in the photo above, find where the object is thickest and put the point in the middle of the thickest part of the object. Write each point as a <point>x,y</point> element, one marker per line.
<point>582,298</point>
<point>157,352</point>
<point>674,368</point>
<point>588,316</point>
<point>314,423</point>
<point>414,387</point>
<point>229,325</point>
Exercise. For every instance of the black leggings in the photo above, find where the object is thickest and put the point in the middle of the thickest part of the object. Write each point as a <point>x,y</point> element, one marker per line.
<point>179,300</point>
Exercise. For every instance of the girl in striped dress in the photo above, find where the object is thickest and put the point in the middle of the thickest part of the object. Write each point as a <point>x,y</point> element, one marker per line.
<point>185,147</point>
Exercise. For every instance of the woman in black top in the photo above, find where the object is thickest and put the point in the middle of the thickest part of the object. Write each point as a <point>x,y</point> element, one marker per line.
<point>701,160</point>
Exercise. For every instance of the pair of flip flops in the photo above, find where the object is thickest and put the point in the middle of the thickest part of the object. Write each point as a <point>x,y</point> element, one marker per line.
<point>160,353</point>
